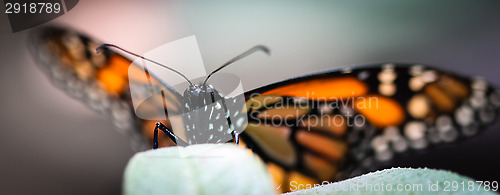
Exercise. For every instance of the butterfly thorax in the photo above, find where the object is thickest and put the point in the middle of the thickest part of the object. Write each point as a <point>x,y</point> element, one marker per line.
<point>206,118</point>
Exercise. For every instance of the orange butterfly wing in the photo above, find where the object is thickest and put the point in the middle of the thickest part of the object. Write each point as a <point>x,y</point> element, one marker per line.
<point>334,125</point>
<point>102,80</point>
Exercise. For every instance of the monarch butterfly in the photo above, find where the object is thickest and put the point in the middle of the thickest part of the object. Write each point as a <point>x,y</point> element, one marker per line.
<point>339,123</point>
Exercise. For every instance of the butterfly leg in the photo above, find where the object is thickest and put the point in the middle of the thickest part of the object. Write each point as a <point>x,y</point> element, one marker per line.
<point>236,137</point>
<point>163,128</point>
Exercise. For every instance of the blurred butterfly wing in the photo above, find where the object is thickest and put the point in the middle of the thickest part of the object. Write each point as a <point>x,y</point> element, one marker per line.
<point>334,125</point>
<point>104,81</point>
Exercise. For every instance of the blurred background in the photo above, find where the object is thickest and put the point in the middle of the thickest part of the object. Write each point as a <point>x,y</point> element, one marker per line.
<point>53,144</point>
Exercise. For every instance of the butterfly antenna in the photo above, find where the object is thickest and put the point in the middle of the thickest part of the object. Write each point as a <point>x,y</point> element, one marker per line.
<point>244,54</point>
<point>100,48</point>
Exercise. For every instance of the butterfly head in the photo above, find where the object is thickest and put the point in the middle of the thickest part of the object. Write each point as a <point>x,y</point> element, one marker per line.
<point>197,96</point>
